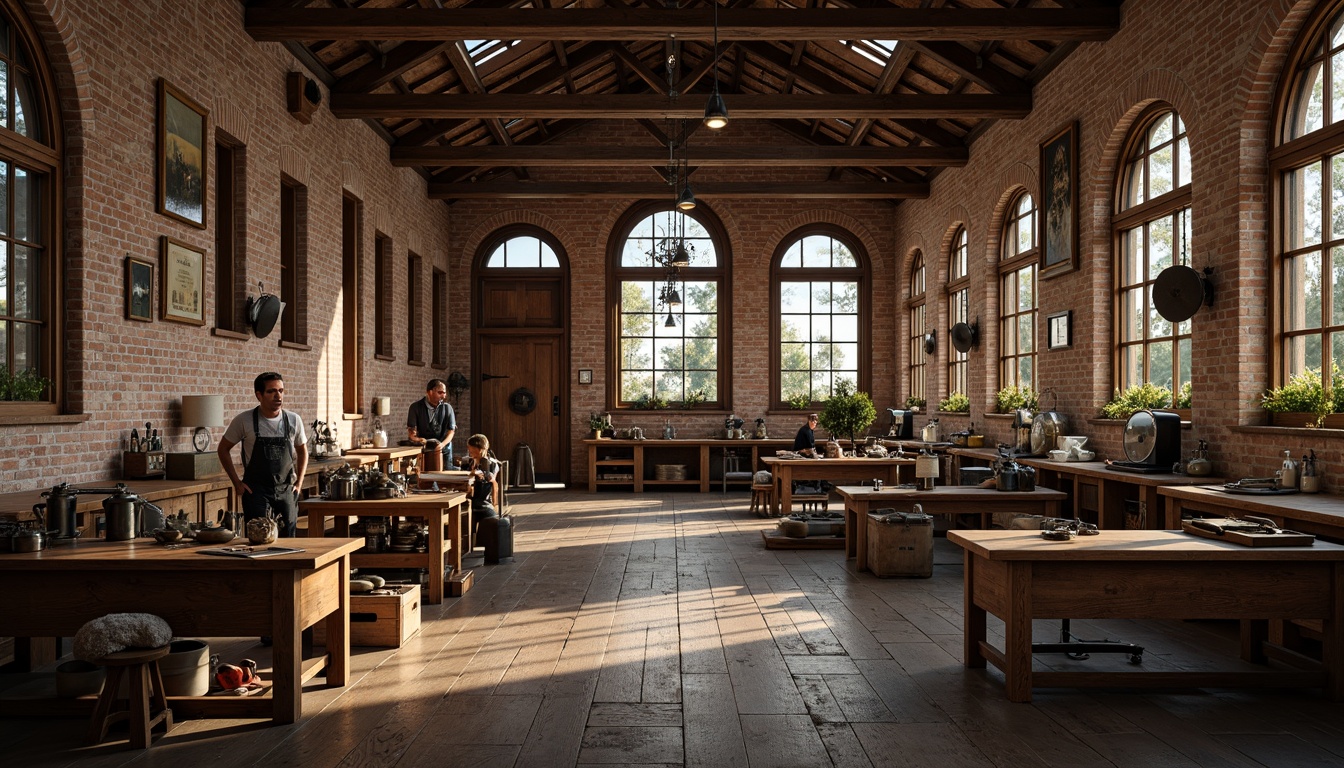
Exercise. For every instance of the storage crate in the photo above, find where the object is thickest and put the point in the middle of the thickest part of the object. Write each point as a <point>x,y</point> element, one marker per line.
<point>385,621</point>
<point>900,549</point>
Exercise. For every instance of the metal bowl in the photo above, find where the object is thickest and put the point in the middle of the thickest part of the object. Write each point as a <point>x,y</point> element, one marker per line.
<point>214,535</point>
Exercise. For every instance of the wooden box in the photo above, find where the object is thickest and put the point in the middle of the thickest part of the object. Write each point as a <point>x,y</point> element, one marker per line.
<point>901,549</point>
<point>459,583</point>
<point>194,466</point>
<point>385,621</point>
<point>141,464</point>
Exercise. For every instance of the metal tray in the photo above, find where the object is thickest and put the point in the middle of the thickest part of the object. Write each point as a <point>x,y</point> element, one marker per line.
<point>1232,488</point>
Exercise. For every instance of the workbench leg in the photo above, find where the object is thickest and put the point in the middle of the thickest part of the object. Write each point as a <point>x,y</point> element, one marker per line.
<point>975,630</point>
<point>1254,633</point>
<point>1017,633</point>
<point>1332,638</point>
<point>860,536</point>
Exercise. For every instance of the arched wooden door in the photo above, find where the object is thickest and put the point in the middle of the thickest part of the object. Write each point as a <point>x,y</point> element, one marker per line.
<point>521,332</point>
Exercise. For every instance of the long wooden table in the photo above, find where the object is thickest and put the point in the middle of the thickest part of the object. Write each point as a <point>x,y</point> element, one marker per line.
<point>632,456</point>
<point>1018,576</point>
<point>440,511</point>
<point>52,593</point>
<point>385,456</point>
<point>784,472</point>
<point>946,500</point>
<point>1316,513</point>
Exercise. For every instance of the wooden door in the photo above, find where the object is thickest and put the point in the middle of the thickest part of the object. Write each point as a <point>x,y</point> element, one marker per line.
<point>520,399</point>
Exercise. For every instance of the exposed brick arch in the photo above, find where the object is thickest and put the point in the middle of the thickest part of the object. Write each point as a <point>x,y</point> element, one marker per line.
<point>827,216</point>
<point>1016,179</point>
<point>487,227</point>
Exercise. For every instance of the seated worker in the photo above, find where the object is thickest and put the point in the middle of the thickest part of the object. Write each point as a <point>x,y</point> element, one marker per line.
<point>483,469</point>
<point>805,442</point>
<point>431,422</point>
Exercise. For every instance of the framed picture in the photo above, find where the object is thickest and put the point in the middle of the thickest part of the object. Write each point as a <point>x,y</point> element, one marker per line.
<point>1059,202</point>
<point>139,289</point>
<point>585,375</point>
<point>182,280</point>
<point>182,156</point>
<point>1059,330</point>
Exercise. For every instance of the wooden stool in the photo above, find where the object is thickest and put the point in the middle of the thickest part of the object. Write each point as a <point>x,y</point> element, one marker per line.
<point>763,499</point>
<point>813,502</point>
<point>146,694</point>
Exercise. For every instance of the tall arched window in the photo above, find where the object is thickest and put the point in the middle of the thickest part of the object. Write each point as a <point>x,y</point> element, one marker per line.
<point>1307,166</point>
<point>1017,295</point>
<point>958,310</point>
<point>919,361</point>
<point>29,220</point>
<point>1152,230</point>
<point>670,327</point>
<point>820,281</point>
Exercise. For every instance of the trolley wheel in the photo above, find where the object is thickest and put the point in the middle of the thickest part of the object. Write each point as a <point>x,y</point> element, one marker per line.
<point>1136,658</point>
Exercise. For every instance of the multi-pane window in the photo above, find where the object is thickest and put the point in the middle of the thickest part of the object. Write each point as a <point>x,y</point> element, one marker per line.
<point>439,320</point>
<point>919,361</point>
<point>293,259</point>
<point>1152,228</point>
<point>382,298</point>
<point>1308,166</point>
<point>415,306</point>
<point>820,281</point>
<point>958,310</point>
<point>1017,295</point>
<point>523,252</point>
<point>669,331</point>
<point>28,164</point>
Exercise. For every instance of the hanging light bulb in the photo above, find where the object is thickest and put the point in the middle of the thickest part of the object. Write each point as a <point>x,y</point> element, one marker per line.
<point>671,296</point>
<point>686,200</point>
<point>681,258</point>
<point>670,322</point>
<point>716,112</point>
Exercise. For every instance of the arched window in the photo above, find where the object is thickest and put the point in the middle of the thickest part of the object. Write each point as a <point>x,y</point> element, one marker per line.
<point>670,328</point>
<point>919,361</point>
<point>29,221</point>
<point>1017,295</point>
<point>1152,230</point>
<point>958,310</point>
<point>522,252</point>
<point>820,280</point>
<point>1307,166</point>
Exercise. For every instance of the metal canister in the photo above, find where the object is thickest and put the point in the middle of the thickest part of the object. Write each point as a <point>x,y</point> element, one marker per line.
<point>877,483</point>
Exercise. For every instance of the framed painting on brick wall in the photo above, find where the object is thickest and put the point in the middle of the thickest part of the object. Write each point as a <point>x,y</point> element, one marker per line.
<point>182,277</point>
<point>182,157</point>
<point>1059,202</point>
<point>139,289</point>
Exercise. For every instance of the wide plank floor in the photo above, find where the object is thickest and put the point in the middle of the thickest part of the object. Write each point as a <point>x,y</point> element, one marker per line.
<point>656,630</point>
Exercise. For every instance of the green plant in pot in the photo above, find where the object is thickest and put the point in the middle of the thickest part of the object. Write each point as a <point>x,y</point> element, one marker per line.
<point>1305,393</point>
<point>1139,397</point>
<point>1013,397</point>
<point>597,422</point>
<point>694,398</point>
<point>801,401</point>
<point>847,412</point>
<point>914,403</point>
<point>26,385</point>
<point>955,403</point>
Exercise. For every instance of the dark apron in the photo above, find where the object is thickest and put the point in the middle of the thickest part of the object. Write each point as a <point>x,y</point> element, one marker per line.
<point>482,502</point>
<point>445,450</point>
<point>270,474</point>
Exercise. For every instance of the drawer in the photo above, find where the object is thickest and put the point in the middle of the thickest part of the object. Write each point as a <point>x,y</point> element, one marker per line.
<point>214,501</point>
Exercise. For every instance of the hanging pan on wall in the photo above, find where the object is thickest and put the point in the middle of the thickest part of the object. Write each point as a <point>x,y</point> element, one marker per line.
<point>965,336</point>
<point>1179,291</point>
<point>263,312</point>
<point>930,343</point>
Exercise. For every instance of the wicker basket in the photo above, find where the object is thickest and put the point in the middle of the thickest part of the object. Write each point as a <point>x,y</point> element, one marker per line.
<point>669,471</point>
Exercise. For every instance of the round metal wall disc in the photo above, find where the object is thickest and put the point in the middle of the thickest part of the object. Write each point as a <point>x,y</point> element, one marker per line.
<point>1140,437</point>
<point>963,337</point>
<point>930,343</point>
<point>1178,293</point>
<point>264,314</point>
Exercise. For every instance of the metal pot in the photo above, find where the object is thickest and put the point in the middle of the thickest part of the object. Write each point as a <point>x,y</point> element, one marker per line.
<point>343,488</point>
<point>28,541</point>
<point>59,510</point>
<point>122,510</point>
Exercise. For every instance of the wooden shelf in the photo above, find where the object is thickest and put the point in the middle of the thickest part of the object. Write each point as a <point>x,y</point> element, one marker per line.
<point>616,462</point>
<point>695,481</point>
<point>393,560</point>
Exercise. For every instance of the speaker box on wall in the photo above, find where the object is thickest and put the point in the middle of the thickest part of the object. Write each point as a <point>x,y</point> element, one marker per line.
<point>302,96</point>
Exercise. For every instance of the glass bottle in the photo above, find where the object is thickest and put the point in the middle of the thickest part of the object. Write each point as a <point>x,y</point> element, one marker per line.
<point>1311,482</point>
<point>1288,475</point>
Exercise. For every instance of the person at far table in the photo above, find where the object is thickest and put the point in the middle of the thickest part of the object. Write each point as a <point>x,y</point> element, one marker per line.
<point>431,423</point>
<point>483,469</point>
<point>274,453</point>
<point>805,442</point>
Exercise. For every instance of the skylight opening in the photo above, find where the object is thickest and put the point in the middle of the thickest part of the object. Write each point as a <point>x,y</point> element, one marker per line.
<point>877,51</point>
<point>482,51</point>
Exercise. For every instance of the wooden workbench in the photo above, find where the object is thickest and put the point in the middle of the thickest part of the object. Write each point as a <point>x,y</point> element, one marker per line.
<point>633,457</point>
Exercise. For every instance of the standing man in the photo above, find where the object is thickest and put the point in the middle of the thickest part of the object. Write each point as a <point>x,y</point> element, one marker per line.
<point>805,442</point>
<point>274,452</point>
<point>431,421</point>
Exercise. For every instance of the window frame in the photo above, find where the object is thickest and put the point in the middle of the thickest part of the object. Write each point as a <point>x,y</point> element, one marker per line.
<point>414,308</point>
<point>293,263</point>
<point>230,236</point>
<point>352,312</point>
<point>917,378</point>
<point>958,288</point>
<point>1011,263</point>
<point>382,298</point>
<point>1168,205</point>
<point>616,274</point>
<point>862,274</point>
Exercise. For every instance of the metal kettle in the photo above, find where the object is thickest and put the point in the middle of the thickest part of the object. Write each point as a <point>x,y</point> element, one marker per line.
<point>126,516</point>
<point>59,510</point>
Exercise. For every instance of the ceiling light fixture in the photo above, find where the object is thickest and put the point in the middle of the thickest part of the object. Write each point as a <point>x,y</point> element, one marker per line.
<point>716,112</point>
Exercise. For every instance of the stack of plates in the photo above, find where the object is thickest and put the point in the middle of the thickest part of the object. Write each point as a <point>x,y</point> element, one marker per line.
<point>669,471</point>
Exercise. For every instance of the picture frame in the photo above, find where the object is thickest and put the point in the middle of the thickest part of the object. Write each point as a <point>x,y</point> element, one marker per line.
<point>1059,202</point>
<point>139,289</point>
<point>1059,330</point>
<point>183,159</point>
<point>585,375</point>
<point>182,282</point>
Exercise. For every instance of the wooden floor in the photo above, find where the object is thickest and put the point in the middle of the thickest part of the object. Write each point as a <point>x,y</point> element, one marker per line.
<point>657,630</point>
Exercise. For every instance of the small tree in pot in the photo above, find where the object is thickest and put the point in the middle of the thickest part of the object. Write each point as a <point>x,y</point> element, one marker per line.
<point>847,412</point>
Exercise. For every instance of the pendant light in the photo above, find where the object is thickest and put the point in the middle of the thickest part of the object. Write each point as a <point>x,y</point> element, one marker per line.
<point>716,112</point>
<point>670,322</point>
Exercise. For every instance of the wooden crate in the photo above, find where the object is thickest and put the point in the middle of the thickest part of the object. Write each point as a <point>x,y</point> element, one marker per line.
<point>385,621</point>
<point>459,583</point>
<point>901,549</point>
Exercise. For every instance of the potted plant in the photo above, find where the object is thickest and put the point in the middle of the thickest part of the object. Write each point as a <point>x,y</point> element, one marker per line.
<point>1302,400</point>
<point>695,398</point>
<point>913,403</point>
<point>955,403</point>
<point>26,385</point>
<point>847,412</point>
<point>800,401</point>
<point>597,422</point>
<point>1013,397</point>
<point>1137,398</point>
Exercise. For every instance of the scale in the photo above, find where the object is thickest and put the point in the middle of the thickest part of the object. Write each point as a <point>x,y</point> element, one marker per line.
<point>1152,443</point>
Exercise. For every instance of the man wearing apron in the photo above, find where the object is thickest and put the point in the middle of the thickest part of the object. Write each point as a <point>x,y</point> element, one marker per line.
<point>430,422</point>
<point>274,453</point>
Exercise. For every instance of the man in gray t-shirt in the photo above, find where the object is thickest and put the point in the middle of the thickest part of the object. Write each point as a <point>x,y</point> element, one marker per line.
<point>432,418</point>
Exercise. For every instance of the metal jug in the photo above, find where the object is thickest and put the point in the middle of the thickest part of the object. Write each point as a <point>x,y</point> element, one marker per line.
<point>59,510</point>
<point>122,511</point>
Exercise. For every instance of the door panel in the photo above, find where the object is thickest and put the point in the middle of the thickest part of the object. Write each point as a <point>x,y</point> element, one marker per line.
<point>531,363</point>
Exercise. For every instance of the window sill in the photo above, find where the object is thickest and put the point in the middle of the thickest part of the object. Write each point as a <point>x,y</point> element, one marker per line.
<point>295,345</point>
<point>1315,432</point>
<point>387,358</point>
<point>225,333</point>
<point>10,419</point>
<point>439,366</point>
<point>417,363</point>
<point>352,416</point>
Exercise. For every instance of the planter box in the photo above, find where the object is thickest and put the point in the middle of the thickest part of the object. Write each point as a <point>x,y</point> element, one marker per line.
<point>1307,420</point>
<point>385,621</point>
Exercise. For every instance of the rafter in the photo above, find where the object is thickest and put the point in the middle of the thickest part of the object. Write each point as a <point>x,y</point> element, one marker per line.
<point>625,106</point>
<point>756,155</point>
<point>283,24</point>
<point>630,190</point>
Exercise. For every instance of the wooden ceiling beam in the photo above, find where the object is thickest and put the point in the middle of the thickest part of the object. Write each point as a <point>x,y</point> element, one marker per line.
<point>383,70</point>
<point>627,106</point>
<point>286,24</point>
<point>755,155</point>
<point>653,190</point>
<point>972,66</point>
